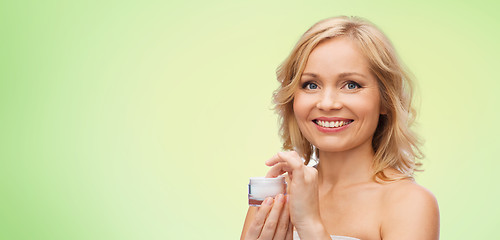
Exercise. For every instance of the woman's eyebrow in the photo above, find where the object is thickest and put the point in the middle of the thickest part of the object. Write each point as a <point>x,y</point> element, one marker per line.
<point>310,74</point>
<point>346,74</point>
<point>341,75</point>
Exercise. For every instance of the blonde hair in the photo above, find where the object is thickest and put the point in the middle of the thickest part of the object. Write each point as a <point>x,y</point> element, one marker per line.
<point>394,143</point>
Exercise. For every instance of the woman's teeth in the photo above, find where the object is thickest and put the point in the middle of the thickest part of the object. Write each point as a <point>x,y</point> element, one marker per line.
<point>332,124</point>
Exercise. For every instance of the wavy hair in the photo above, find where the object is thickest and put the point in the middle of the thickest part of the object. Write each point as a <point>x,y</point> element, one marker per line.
<point>394,143</point>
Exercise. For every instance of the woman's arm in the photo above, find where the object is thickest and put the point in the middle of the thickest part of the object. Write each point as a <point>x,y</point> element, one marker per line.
<point>411,213</point>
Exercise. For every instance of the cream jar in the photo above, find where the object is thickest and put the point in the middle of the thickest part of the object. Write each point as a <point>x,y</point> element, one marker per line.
<point>260,188</point>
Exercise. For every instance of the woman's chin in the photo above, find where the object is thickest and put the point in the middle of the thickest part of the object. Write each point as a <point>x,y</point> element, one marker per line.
<point>332,149</point>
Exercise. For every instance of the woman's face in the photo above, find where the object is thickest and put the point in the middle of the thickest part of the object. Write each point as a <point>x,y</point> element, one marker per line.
<point>337,104</point>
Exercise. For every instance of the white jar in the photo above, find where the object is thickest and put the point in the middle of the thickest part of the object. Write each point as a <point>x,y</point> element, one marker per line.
<point>260,188</point>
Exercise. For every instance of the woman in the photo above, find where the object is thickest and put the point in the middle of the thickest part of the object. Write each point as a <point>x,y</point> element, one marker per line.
<point>346,100</point>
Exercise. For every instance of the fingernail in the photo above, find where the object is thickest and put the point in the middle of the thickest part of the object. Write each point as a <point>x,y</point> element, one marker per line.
<point>268,201</point>
<point>280,198</point>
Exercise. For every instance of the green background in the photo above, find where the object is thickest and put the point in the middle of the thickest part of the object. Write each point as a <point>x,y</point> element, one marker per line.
<point>144,119</point>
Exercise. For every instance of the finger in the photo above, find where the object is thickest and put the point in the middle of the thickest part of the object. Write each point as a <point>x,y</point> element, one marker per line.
<point>272,219</point>
<point>290,157</point>
<point>278,169</point>
<point>260,218</point>
<point>283,222</point>
<point>275,159</point>
<point>289,162</point>
<point>289,232</point>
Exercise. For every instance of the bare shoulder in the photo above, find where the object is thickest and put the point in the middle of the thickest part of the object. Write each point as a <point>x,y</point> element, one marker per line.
<point>411,212</point>
<point>408,193</point>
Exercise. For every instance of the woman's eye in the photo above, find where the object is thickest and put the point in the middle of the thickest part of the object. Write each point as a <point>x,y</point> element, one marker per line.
<point>310,86</point>
<point>352,85</point>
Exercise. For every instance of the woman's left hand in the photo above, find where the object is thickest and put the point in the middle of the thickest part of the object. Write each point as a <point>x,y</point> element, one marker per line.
<point>303,189</point>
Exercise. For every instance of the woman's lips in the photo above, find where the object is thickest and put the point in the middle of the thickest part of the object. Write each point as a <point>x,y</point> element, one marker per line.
<point>332,124</point>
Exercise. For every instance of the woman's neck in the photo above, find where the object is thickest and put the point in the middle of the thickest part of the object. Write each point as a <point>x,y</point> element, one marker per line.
<point>345,168</point>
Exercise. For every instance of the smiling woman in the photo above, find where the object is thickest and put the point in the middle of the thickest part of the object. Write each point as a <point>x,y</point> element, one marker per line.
<point>345,98</point>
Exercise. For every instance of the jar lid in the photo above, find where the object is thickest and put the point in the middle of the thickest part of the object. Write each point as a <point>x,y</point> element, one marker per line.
<point>259,180</point>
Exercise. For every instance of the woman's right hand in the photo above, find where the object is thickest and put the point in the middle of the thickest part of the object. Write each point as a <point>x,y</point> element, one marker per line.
<point>303,193</point>
<point>272,221</point>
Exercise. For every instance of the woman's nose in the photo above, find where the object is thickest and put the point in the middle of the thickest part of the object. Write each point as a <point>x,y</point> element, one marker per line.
<point>329,100</point>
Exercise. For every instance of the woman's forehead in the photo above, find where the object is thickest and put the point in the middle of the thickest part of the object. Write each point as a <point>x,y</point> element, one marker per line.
<point>337,55</point>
